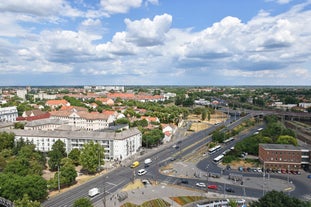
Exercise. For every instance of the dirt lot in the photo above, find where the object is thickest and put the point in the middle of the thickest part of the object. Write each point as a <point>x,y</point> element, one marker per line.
<point>199,124</point>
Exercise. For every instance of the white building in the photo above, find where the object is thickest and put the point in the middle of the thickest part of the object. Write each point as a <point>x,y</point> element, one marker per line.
<point>21,93</point>
<point>45,96</point>
<point>83,119</point>
<point>305,105</point>
<point>117,145</point>
<point>8,114</point>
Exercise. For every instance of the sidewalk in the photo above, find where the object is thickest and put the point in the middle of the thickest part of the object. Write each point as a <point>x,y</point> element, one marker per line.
<point>189,170</point>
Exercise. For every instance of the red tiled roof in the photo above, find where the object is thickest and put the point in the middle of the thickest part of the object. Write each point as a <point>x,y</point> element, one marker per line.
<point>45,115</point>
<point>56,102</point>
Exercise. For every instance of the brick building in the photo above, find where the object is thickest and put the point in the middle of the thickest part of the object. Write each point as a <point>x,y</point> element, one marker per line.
<point>283,156</point>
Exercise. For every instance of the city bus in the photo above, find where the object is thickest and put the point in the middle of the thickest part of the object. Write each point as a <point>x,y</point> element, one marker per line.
<point>214,149</point>
<point>218,158</point>
<point>228,140</point>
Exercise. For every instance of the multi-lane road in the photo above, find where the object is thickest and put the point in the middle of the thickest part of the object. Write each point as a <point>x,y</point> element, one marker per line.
<point>114,180</point>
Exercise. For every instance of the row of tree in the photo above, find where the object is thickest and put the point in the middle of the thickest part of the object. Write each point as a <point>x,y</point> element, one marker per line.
<point>22,167</point>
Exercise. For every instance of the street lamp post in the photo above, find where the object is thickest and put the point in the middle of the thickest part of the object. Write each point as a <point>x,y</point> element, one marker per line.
<point>58,180</point>
<point>104,198</point>
<point>288,173</point>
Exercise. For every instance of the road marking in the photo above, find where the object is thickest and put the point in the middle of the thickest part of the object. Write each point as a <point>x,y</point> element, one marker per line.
<point>111,183</point>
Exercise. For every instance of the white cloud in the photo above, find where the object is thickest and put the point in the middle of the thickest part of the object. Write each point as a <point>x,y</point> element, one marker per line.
<point>39,8</point>
<point>119,6</point>
<point>146,32</point>
<point>154,2</point>
<point>93,27</point>
<point>267,48</point>
<point>280,1</point>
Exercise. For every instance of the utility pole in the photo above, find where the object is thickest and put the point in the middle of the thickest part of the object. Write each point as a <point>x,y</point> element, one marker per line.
<point>104,198</point>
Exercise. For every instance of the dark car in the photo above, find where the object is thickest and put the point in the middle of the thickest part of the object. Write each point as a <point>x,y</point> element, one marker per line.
<point>230,190</point>
<point>183,181</point>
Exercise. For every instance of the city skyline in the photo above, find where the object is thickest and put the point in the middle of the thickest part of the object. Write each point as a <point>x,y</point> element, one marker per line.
<point>155,42</point>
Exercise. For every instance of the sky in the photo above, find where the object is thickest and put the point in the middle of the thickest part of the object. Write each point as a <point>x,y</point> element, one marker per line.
<point>155,42</point>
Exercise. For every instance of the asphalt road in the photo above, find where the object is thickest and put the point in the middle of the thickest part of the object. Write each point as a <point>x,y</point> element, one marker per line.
<point>113,181</point>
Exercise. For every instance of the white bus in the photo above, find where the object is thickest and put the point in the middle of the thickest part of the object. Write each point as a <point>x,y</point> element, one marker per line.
<point>214,149</point>
<point>218,158</point>
<point>228,140</point>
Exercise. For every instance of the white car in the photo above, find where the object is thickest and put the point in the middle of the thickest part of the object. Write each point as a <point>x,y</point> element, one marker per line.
<point>141,172</point>
<point>201,185</point>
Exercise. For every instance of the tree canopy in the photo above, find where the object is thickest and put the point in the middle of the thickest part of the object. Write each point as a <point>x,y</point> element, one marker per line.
<point>83,202</point>
<point>57,153</point>
<point>91,157</point>
<point>277,199</point>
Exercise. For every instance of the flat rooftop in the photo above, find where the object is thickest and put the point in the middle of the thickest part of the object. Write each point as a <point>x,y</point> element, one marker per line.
<point>281,147</point>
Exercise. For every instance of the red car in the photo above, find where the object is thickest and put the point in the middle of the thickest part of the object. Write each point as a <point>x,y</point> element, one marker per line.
<point>212,187</point>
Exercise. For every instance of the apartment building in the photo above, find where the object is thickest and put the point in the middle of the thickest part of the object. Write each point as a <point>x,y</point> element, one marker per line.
<point>283,156</point>
<point>117,145</point>
<point>8,114</point>
<point>84,119</point>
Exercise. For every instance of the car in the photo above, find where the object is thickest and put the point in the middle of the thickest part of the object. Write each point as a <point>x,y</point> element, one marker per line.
<point>212,187</point>
<point>175,146</point>
<point>183,181</point>
<point>141,172</point>
<point>230,190</point>
<point>309,176</point>
<point>172,158</point>
<point>201,185</point>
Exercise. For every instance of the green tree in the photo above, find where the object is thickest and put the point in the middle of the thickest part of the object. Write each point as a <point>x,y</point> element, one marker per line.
<point>74,155</point>
<point>83,202</point>
<point>218,136</point>
<point>277,199</point>
<point>122,121</point>
<point>6,140</point>
<point>286,139</point>
<point>14,187</point>
<point>26,202</point>
<point>233,203</point>
<point>152,137</point>
<point>19,125</point>
<point>204,114</point>
<point>67,175</point>
<point>57,153</point>
<point>91,156</point>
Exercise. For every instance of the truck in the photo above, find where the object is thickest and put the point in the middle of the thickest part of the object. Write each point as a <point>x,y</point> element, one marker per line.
<point>93,192</point>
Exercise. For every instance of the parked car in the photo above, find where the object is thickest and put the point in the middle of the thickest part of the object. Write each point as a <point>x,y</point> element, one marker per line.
<point>230,190</point>
<point>141,172</point>
<point>309,176</point>
<point>201,185</point>
<point>212,187</point>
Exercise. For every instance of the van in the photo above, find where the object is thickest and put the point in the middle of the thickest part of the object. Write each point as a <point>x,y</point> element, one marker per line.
<point>147,162</point>
<point>135,164</point>
<point>93,192</point>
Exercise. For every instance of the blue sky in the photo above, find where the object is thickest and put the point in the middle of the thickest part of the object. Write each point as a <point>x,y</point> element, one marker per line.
<point>155,42</point>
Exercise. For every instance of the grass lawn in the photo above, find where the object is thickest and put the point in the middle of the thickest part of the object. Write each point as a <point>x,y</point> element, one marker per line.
<point>183,200</point>
<point>151,203</point>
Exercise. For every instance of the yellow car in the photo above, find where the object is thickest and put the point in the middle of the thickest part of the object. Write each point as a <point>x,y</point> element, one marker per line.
<point>135,164</point>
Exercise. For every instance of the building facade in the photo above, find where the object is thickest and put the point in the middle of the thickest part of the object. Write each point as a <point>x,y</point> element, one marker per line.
<point>8,114</point>
<point>283,157</point>
<point>117,145</point>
